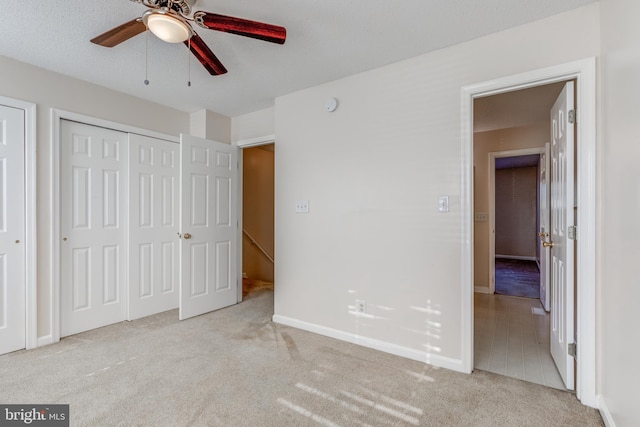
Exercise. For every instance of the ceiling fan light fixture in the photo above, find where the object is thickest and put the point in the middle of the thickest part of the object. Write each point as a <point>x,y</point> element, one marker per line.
<point>167,27</point>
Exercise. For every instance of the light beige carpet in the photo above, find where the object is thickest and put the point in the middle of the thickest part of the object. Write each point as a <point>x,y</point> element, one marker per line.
<point>235,367</point>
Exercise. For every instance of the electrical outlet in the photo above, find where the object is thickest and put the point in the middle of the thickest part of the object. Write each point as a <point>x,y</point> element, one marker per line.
<point>361,306</point>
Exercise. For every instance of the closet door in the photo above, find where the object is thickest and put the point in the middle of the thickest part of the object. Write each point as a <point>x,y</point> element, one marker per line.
<point>154,245</point>
<point>12,230</point>
<point>93,250</point>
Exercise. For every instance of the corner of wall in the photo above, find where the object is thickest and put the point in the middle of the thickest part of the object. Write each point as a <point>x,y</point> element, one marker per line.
<point>210,125</point>
<point>604,412</point>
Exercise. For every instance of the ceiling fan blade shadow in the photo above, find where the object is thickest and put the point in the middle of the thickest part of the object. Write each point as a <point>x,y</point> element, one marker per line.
<point>242,27</point>
<point>120,33</point>
<point>206,57</point>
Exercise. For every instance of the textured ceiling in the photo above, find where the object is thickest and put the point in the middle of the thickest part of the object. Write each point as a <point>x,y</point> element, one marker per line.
<point>326,40</point>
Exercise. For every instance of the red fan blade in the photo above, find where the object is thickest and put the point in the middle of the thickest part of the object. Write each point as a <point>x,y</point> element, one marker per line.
<point>120,33</point>
<point>208,60</point>
<point>241,27</point>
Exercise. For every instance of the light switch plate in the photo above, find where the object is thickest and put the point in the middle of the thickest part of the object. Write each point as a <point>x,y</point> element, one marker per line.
<point>481,216</point>
<point>443,204</point>
<point>302,206</point>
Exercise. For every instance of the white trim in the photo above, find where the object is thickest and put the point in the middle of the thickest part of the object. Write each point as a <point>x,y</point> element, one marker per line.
<point>409,353</point>
<point>94,121</point>
<point>56,116</point>
<point>605,413</point>
<point>253,142</point>
<point>239,200</point>
<point>493,155</point>
<point>585,73</point>
<point>45,340</point>
<point>31,235</point>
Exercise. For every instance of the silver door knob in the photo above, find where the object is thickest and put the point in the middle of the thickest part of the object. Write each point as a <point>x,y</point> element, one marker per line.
<point>187,235</point>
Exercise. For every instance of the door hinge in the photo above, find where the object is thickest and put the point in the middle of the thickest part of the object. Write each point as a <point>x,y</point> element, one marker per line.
<point>572,116</point>
<point>573,232</point>
<point>573,349</point>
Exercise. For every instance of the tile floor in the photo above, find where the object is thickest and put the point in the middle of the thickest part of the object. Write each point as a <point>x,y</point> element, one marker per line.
<point>511,340</point>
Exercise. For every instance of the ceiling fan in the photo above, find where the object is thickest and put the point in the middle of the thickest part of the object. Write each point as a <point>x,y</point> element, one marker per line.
<point>170,20</point>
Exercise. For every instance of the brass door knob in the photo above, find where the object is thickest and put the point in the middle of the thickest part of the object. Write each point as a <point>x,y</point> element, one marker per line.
<point>186,235</point>
<point>547,244</point>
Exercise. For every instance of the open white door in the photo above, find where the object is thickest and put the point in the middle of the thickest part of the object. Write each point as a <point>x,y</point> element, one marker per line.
<point>562,244</point>
<point>12,229</point>
<point>544,226</point>
<point>209,279</point>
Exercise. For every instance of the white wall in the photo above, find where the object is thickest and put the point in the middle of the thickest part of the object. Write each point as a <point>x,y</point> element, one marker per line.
<point>210,125</point>
<point>50,90</point>
<point>373,171</point>
<point>619,340</point>
<point>253,125</point>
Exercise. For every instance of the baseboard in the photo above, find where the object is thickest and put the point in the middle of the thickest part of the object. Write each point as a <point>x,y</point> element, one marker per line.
<point>397,350</point>
<point>604,412</point>
<point>45,340</point>
<point>481,289</point>
<point>523,258</point>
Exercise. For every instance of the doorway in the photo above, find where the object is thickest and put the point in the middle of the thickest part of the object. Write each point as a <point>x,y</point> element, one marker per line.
<point>511,327</point>
<point>258,203</point>
<point>584,71</point>
<point>517,221</point>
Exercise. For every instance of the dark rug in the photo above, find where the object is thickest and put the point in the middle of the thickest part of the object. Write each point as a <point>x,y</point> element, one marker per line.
<point>517,278</point>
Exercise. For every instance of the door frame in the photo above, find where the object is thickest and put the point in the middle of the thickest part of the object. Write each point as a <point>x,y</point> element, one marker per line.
<point>493,155</point>
<point>584,71</point>
<point>56,116</point>
<point>30,200</point>
<point>242,144</point>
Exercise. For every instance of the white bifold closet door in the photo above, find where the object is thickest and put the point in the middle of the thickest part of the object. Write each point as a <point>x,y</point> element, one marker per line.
<point>124,200</point>
<point>12,229</point>
<point>154,218</point>
<point>93,229</point>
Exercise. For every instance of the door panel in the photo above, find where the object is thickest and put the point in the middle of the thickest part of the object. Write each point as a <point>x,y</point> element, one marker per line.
<point>93,255</point>
<point>209,226</point>
<point>153,238</point>
<point>12,229</point>
<point>562,218</point>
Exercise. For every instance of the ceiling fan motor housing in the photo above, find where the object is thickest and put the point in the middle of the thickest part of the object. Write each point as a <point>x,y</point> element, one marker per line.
<point>183,7</point>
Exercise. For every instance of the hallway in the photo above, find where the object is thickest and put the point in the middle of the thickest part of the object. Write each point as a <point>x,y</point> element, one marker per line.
<point>512,339</point>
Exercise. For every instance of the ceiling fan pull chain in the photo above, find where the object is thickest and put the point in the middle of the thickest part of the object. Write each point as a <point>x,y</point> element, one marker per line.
<point>189,62</point>
<point>146,58</point>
